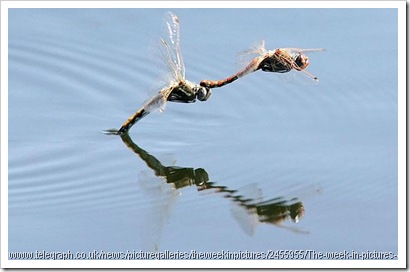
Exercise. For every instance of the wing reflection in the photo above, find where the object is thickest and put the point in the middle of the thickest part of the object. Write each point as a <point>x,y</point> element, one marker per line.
<point>248,206</point>
<point>157,213</point>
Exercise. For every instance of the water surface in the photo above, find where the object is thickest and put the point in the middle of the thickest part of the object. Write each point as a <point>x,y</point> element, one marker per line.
<point>193,177</point>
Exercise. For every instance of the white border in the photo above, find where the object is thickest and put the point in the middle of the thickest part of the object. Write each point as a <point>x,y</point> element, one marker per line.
<point>208,264</point>
<point>402,135</point>
<point>202,4</point>
<point>401,263</point>
<point>4,136</point>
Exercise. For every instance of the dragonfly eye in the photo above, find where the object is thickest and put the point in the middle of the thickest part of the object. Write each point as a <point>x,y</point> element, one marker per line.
<point>202,93</point>
<point>302,61</point>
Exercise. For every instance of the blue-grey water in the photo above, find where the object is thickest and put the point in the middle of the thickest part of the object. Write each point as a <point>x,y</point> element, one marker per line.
<point>195,176</point>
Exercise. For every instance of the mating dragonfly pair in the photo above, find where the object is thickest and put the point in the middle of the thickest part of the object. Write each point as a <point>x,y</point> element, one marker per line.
<point>179,89</point>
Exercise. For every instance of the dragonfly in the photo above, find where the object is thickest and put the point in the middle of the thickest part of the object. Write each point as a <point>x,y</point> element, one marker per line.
<point>178,89</point>
<point>280,60</point>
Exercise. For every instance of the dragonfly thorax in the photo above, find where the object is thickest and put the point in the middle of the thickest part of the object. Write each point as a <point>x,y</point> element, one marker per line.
<point>275,63</point>
<point>182,92</point>
<point>187,92</point>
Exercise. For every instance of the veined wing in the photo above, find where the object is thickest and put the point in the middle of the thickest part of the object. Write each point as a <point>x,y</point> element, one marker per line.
<point>167,54</point>
<point>244,59</point>
<point>172,50</point>
<point>303,50</point>
<point>161,198</point>
<point>245,56</point>
<point>157,102</point>
<point>247,218</point>
<point>171,59</point>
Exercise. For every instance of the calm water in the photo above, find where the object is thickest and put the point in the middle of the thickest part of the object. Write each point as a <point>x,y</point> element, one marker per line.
<point>196,176</point>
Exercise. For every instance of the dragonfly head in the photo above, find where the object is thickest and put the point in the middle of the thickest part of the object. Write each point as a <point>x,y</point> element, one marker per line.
<point>202,93</point>
<point>297,211</point>
<point>201,177</point>
<point>301,61</point>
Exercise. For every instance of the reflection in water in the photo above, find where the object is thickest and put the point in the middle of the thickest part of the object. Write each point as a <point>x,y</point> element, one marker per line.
<point>248,207</point>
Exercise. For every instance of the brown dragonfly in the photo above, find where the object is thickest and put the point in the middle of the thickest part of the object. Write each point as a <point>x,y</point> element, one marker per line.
<point>280,60</point>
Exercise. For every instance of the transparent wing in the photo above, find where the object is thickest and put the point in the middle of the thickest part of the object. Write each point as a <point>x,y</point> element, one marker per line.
<point>157,102</point>
<point>166,54</point>
<point>158,209</point>
<point>303,50</point>
<point>293,229</point>
<point>304,191</point>
<point>174,47</point>
<point>256,49</point>
<point>247,220</point>
<point>243,58</point>
<point>251,192</point>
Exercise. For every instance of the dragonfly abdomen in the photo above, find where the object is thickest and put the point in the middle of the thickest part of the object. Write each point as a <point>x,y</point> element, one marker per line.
<point>132,120</point>
<point>251,67</point>
<point>218,83</point>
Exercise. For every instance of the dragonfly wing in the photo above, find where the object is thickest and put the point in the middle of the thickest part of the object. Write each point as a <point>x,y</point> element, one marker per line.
<point>172,22</point>
<point>243,58</point>
<point>166,53</point>
<point>158,101</point>
<point>256,49</point>
<point>161,198</point>
<point>246,219</point>
<point>292,229</point>
<point>246,216</point>
<point>164,58</point>
<point>303,50</point>
<point>305,191</point>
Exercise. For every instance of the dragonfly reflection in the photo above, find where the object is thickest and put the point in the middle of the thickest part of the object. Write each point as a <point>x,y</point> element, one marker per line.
<point>178,89</point>
<point>280,60</point>
<point>273,211</point>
